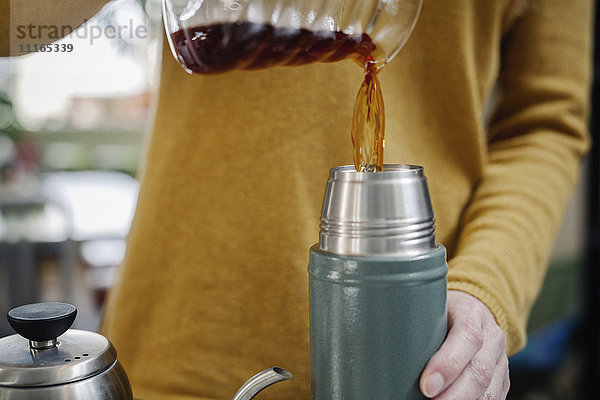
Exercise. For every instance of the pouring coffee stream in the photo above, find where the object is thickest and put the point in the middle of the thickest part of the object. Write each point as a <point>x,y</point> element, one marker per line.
<point>213,37</point>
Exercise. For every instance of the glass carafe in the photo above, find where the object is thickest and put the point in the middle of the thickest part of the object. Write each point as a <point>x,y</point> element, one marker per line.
<point>209,36</point>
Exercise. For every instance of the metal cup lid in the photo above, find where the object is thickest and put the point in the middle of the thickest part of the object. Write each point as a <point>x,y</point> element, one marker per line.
<point>385,213</point>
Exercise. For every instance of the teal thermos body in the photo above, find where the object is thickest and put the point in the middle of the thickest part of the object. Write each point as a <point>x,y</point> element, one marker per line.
<point>377,286</point>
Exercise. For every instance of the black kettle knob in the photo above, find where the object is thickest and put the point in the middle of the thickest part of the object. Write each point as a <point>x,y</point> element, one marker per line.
<point>42,323</point>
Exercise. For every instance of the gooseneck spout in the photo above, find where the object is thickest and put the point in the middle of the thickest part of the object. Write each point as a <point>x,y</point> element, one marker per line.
<point>260,381</point>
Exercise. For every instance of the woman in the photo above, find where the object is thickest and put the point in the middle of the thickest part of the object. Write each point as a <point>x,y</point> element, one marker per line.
<point>491,97</point>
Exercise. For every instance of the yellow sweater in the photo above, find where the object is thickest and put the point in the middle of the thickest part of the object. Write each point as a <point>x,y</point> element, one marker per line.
<point>214,284</point>
<point>491,97</point>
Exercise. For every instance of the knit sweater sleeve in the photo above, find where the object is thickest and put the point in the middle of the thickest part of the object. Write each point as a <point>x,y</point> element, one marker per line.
<point>537,138</point>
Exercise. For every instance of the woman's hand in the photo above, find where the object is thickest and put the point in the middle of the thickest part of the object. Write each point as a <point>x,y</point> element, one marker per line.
<point>471,363</point>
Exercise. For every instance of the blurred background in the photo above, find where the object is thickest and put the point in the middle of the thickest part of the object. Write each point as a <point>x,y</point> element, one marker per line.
<point>71,133</point>
<point>71,136</point>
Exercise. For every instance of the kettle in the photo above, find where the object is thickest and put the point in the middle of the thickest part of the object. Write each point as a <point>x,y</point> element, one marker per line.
<point>47,360</point>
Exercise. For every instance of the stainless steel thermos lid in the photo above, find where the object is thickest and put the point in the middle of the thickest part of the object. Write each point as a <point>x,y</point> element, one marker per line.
<point>377,213</point>
<point>42,354</point>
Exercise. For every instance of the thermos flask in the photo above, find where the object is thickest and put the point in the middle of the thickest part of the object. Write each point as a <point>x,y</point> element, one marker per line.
<point>377,283</point>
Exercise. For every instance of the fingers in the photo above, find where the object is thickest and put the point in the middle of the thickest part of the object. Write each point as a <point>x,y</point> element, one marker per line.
<point>463,342</point>
<point>471,363</point>
<point>506,381</point>
<point>500,383</point>
<point>483,377</point>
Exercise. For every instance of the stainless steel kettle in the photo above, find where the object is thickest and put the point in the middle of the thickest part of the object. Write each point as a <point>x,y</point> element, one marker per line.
<point>47,360</point>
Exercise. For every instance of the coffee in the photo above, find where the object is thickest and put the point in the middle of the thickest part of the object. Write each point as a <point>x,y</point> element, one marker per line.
<point>368,123</point>
<point>247,45</point>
